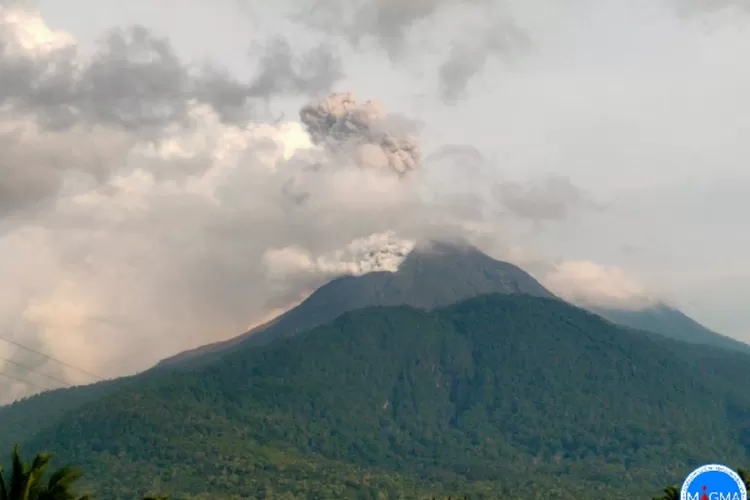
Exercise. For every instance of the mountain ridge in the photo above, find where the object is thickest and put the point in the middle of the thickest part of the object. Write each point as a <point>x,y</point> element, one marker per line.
<point>666,320</point>
<point>435,274</point>
<point>509,390</point>
<point>25,418</point>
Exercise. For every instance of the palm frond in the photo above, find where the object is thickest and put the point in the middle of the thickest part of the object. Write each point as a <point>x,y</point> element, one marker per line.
<point>3,486</point>
<point>18,475</point>
<point>63,478</point>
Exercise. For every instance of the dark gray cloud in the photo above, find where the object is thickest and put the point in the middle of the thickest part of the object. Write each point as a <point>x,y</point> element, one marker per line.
<point>468,58</point>
<point>63,113</point>
<point>281,72</point>
<point>135,80</point>
<point>364,130</point>
<point>387,21</point>
<point>471,32</point>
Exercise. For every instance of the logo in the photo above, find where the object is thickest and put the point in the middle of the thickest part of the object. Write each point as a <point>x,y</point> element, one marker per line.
<point>713,482</point>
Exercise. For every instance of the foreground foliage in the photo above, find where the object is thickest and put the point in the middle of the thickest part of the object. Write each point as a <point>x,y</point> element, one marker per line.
<point>673,492</point>
<point>30,482</point>
<point>26,482</point>
<point>498,396</point>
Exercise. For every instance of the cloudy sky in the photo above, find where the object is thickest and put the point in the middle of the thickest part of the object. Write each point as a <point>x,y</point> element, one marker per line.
<point>160,188</point>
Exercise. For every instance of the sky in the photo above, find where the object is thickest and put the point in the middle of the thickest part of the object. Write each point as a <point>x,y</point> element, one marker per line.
<point>161,188</point>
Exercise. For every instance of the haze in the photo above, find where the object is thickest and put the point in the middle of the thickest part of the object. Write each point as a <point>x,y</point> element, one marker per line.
<point>159,191</point>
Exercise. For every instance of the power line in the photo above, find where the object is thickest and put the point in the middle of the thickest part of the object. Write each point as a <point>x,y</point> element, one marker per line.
<point>34,370</point>
<point>13,342</point>
<point>12,377</point>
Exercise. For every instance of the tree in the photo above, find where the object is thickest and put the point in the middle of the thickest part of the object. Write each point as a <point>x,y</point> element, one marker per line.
<point>670,493</point>
<point>745,476</point>
<point>673,492</point>
<point>26,481</point>
<point>156,497</point>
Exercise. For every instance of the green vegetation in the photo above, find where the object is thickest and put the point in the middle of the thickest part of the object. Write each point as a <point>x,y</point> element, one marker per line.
<point>671,323</point>
<point>436,276</point>
<point>30,482</point>
<point>27,482</point>
<point>499,396</point>
<point>673,492</point>
<point>24,418</point>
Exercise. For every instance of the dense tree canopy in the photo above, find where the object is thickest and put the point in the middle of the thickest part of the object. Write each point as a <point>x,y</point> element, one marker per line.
<point>497,396</point>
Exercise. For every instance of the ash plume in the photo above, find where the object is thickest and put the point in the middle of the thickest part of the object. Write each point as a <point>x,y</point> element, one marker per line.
<point>133,166</point>
<point>364,130</point>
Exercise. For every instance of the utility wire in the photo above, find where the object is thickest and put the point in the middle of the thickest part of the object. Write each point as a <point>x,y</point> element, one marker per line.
<point>13,377</point>
<point>13,342</point>
<point>34,370</point>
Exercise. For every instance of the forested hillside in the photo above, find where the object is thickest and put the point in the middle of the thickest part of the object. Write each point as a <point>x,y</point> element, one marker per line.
<point>503,393</point>
<point>436,274</point>
<point>671,323</point>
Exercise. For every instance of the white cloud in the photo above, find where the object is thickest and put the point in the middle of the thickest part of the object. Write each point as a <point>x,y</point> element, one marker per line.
<point>143,211</point>
<point>192,239</point>
<point>29,34</point>
<point>376,252</point>
<point>590,284</point>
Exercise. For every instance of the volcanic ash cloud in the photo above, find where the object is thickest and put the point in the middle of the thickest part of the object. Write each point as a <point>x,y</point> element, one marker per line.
<point>363,132</point>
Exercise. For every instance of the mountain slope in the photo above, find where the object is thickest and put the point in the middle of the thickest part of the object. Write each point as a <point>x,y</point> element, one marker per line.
<point>24,418</point>
<point>503,393</point>
<point>429,277</point>
<point>435,274</point>
<point>438,274</point>
<point>671,323</point>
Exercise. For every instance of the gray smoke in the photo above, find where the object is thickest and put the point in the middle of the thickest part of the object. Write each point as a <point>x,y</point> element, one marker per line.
<point>82,116</point>
<point>136,81</point>
<point>474,33</point>
<point>387,21</point>
<point>498,39</point>
<point>210,224</point>
<point>374,139</point>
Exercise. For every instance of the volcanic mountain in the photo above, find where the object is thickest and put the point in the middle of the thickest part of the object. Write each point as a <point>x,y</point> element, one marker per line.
<point>438,274</point>
<point>433,275</point>
<point>458,374</point>
<point>497,396</point>
<point>670,322</point>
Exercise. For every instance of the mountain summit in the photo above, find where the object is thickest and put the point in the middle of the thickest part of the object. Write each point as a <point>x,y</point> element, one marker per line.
<point>437,274</point>
<point>434,274</point>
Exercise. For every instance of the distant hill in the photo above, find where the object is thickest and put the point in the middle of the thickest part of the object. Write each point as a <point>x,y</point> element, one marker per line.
<point>671,323</point>
<point>434,275</point>
<point>509,396</point>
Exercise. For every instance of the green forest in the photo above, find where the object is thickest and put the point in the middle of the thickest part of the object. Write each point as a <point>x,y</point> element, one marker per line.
<point>35,481</point>
<point>500,396</point>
